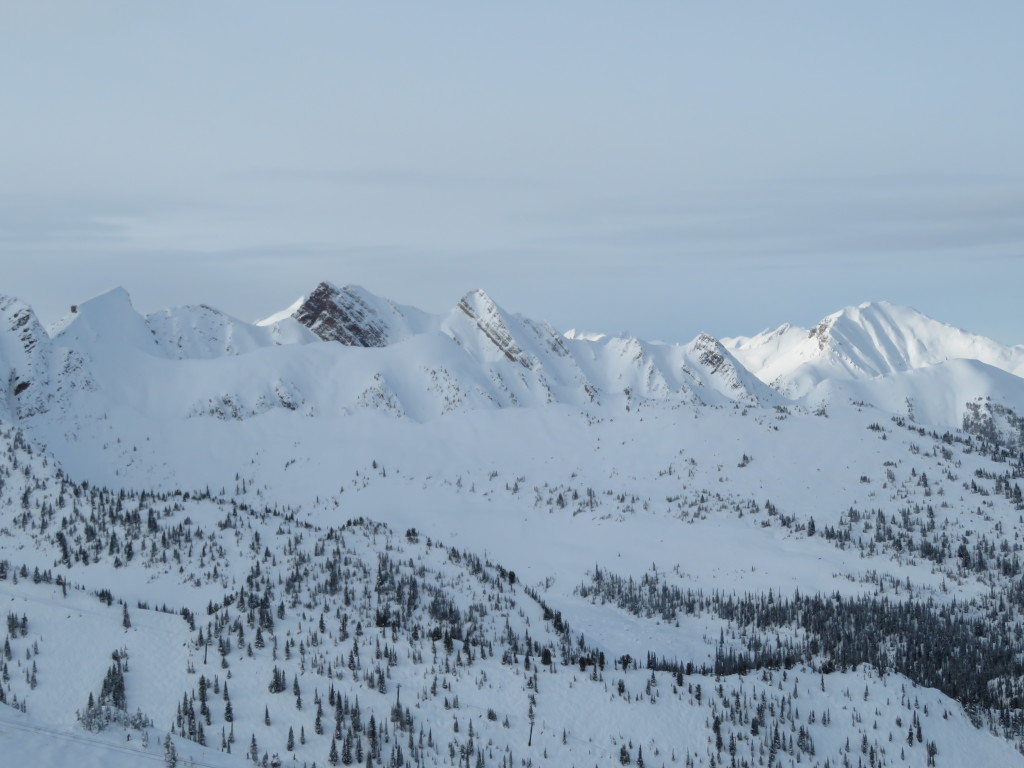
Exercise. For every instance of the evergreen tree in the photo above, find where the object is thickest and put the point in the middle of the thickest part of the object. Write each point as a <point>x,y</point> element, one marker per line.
<point>346,749</point>
<point>170,753</point>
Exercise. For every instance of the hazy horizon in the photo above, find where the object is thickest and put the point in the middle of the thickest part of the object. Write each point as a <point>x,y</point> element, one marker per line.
<point>662,169</point>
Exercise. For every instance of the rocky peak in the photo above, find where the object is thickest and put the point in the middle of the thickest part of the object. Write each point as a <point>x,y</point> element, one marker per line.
<point>820,332</point>
<point>721,371</point>
<point>711,354</point>
<point>487,318</point>
<point>24,357</point>
<point>345,315</point>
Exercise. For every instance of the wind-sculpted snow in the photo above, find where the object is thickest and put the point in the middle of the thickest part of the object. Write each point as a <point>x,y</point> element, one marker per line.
<point>110,324</point>
<point>201,332</point>
<point>936,394</point>
<point>196,362</point>
<point>856,343</point>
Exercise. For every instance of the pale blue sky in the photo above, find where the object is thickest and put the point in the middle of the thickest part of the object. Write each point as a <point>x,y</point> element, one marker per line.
<point>660,167</point>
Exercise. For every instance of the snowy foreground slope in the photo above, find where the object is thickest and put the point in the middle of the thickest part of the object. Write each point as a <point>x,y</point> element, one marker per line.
<point>356,533</point>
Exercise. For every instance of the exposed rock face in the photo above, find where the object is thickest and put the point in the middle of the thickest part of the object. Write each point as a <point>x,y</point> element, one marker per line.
<point>820,332</point>
<point>478,307</point>
<point>712,355</point>
<point>342,315</point>
<point>24,359</point>
<point>37,375</point>
<point>721,366</point>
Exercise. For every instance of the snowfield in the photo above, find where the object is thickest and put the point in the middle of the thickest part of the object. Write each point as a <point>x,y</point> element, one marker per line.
<point>356,533</point>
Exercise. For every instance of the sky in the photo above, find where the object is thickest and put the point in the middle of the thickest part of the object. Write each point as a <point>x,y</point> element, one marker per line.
<point>654,168</point>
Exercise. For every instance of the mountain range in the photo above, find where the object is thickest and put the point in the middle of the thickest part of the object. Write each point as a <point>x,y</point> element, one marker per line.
<point>507,544</point>
<point>405,362</point>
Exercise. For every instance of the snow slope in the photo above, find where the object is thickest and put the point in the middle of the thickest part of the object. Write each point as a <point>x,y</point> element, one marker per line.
<point>197,362</point>
<point>438,517</point>
<point>706,540</point>
<point>872,339</point>
<point>186,333</point>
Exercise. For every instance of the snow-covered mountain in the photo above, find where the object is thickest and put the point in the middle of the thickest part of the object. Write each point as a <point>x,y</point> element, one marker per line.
<point>379,356</point>
<point>404,362</point>
<point>196,332</point>
<point>885,354</point>
<point>358,533</point>
<point>353,316</point>
<point>871,339</point>
<point>344,350</point>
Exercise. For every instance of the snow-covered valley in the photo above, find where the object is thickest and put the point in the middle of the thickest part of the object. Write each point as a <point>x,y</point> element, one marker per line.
<point>358,533</point>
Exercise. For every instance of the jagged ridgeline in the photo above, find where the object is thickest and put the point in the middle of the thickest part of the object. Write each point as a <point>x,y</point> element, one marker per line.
<point>360,534</point>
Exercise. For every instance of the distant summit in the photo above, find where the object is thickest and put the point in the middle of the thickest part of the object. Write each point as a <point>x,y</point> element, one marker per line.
<point>341,315</point>
<point>357,318</point>
<point>869,340</point>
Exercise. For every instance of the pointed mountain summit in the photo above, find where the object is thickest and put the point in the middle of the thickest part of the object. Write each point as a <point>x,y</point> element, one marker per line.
<point>108,318</point>
<point>355,317</point>
<point>24,360</point>
<point>720,370</point>
<point>869,340</point>
<point>483,329</point>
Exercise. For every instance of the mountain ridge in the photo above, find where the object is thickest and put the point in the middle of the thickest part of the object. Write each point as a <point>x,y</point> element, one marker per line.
<point>611,505</point>
<point>869,339</point>
<point>478,355</point>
